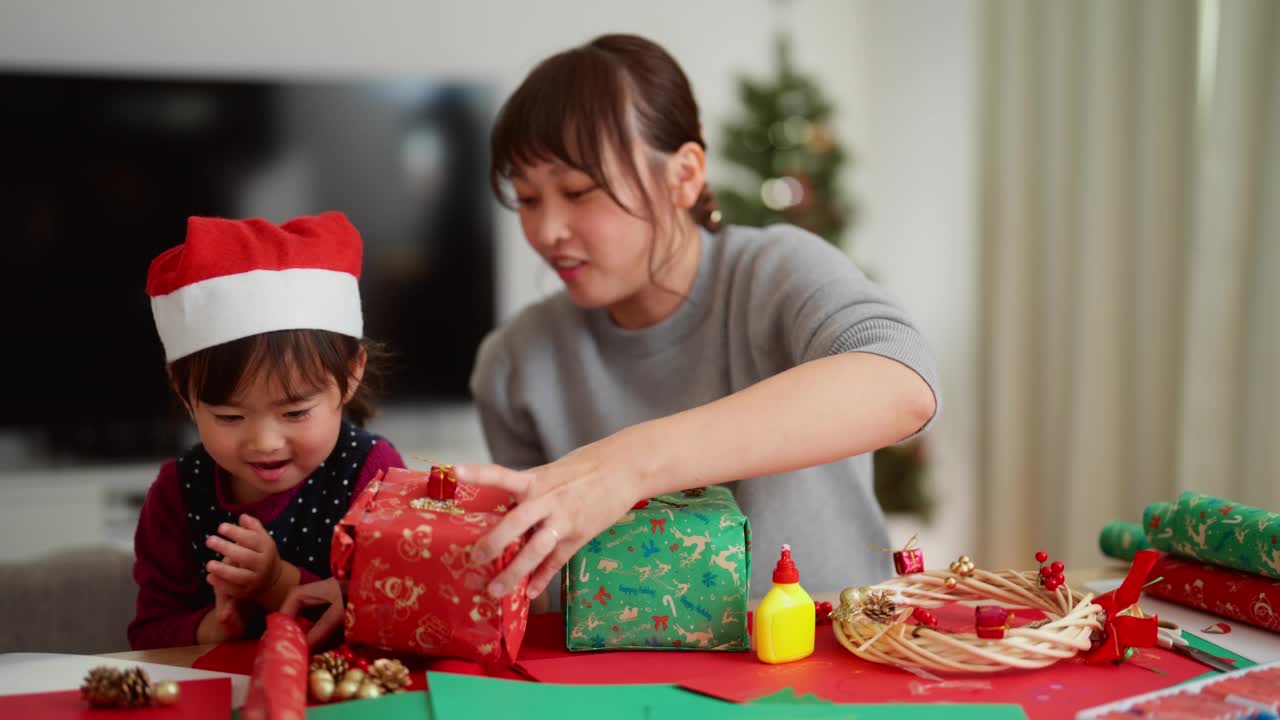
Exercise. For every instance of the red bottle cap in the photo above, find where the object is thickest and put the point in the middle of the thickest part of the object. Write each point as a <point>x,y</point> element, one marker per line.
<point>786,571</point>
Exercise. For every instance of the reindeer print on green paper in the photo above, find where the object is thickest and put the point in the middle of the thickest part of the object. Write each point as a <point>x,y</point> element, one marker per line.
<point>1216,531</point>
<point>671,575</point>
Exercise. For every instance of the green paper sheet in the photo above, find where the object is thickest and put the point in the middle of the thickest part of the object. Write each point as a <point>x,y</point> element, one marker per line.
<point>462,697</point>
<point>400,706</point>
<point>1212,649</point>
<point>787,696</point>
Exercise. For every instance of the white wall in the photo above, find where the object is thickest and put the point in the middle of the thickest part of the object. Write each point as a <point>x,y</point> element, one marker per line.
<point>919,193</point>
<point>901,75</point>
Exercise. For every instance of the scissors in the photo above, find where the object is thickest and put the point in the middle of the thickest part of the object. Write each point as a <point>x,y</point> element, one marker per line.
<point>1169,636</point>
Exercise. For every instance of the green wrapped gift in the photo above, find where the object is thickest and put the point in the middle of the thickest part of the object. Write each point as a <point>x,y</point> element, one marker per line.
<point>670,575</point>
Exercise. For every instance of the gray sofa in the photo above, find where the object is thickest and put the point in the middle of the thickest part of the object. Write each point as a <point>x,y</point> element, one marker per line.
<point>75,601</point>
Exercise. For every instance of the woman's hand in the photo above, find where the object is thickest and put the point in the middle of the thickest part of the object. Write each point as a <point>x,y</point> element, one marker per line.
<point>562,505</point>
<point>251,564</point>
<point>323,592</point>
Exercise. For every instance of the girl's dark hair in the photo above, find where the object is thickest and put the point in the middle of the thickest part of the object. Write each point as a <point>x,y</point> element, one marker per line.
<point>301,360</point>
<point>578,105</point>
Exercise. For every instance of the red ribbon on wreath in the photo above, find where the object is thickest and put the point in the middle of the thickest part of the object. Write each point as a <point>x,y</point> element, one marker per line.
<point>1124,631</point>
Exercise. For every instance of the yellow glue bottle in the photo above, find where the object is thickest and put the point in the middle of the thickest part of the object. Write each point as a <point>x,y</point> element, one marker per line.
<point>786,619</point>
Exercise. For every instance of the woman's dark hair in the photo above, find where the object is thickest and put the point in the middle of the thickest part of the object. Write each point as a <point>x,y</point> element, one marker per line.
<point>301,360</point>
<point>579,105</point>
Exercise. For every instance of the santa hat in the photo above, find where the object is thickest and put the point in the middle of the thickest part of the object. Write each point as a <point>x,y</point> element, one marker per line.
<point>236,278</point>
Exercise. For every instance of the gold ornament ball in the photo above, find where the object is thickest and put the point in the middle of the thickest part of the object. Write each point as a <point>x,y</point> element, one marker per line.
<point>165,692</point>
<point>322,685</point>
<point>355,675</point>
<point>950,583</point>
<point>345,689</point>
<point>368,690</point>
<point>964,560</point>
<point>853,597</point>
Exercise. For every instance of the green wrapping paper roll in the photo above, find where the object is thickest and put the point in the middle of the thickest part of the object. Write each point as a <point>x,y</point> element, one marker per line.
<point>1218,532</point>
<point>1157,522</point>
<point>1120,540</point>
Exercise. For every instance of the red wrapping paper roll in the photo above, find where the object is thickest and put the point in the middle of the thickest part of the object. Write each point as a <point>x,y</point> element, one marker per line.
<point>1252,599</point>
<point>278,687</point>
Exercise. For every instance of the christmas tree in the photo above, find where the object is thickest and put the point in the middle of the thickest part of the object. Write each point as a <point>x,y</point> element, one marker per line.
<point>788,164</point>
<point>786,156</point>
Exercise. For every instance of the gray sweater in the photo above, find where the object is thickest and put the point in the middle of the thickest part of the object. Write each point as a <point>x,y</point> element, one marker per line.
<point>764,300</point>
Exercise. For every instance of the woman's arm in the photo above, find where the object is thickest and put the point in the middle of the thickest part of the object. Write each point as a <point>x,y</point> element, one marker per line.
<point>814,413</point>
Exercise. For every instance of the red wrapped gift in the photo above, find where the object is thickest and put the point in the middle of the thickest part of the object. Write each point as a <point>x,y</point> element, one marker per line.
<point>412,583</point>
<point>910,561</point>
<point>992,621</point>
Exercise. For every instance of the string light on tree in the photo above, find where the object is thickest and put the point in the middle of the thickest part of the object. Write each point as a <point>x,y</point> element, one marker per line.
<point>785,149</point>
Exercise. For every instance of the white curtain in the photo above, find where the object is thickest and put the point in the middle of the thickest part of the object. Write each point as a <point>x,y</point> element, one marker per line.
<point>1130,231</point>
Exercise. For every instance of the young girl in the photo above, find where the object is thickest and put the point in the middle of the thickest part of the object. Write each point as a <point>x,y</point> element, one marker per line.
<point>261,327</point>
<point>679,356</point>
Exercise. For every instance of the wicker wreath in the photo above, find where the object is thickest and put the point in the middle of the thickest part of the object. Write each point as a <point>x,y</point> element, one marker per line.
<point>870,621</point>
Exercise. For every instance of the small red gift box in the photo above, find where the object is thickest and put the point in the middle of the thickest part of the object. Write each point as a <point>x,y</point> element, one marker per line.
<point>992,621</point>
<point>412,583</point>
<point>441,484</point>
<point>906,562</point>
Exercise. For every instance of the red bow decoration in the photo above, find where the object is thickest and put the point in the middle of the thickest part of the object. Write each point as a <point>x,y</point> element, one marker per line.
<point>1126,631</point>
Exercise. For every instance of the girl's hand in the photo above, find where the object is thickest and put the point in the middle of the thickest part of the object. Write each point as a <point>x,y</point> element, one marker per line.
<point>223,623</point>
<point>324,592</point>
<point>227,610</point>
<point>251,564</point>
<point>562,505</point>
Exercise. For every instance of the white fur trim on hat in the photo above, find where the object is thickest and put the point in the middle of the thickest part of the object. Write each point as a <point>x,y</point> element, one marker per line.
<point>221,309</point>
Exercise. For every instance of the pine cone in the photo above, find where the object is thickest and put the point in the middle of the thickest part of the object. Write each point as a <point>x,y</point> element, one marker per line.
<point>101,687</point>
<point>331,661</point>
<point>878,607</point>
<point>135,688</point>
<point>390,675</point>
<point>109,687</point>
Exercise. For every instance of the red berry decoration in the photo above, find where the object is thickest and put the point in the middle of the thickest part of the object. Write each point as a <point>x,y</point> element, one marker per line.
<point>1052,583</point>
<point>924,617</point>
<point>1057,567</point>
<point>822,612</point>
<point>346,653</point>
<point>1045,572</point>
<point>1041,556</point>
<point>362,664</point>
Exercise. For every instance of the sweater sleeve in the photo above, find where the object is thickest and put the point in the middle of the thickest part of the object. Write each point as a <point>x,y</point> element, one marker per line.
<point>171,603</point>
<point>509,429</point>
<point>824,305</point>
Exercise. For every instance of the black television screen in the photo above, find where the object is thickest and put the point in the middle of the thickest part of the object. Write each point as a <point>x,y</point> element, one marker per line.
<point>101,172</point>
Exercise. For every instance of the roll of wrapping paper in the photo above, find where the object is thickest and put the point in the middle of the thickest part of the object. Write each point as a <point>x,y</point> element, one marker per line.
<point>1158,526</point>
<point>1230,593</point>
<point>278,688</point>
<point>1218,532</point>
<point>1121,540</point>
